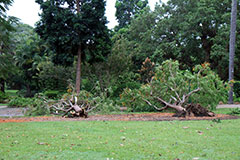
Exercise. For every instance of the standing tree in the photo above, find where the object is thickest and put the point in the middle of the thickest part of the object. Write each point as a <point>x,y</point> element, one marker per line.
<point>232,47</point>
<point>126,9</point>
<point>29,53</point>
<point>76,27</point>
<point>6,61</point>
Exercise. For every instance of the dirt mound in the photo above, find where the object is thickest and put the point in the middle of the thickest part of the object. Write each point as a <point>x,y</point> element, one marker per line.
<point>119,117</point>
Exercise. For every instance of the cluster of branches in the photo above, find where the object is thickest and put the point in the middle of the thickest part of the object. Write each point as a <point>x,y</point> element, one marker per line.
<point>72,107</point>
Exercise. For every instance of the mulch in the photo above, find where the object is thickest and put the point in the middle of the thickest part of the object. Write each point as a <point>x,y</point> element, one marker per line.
<point>119,117</point>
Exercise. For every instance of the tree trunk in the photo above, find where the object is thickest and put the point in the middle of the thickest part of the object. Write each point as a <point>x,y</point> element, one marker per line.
<point>29,92</point>
<point>232,47</point>
<point>78,75</point>
<point>2,85</point>
<point>207,48</point>
<point>79,60</point>
<point>194,110</point>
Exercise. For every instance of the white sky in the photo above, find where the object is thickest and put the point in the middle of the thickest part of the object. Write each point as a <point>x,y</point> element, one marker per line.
<point>27,11</point>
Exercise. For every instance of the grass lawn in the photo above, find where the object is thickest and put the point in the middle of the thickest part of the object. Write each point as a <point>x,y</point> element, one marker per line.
<point>224,110</point>
<point>11,92</point>
<point>98,140</point>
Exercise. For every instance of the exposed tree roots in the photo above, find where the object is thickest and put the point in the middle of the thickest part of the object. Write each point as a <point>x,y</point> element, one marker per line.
<point>195,110</point>
<point>70,108</point>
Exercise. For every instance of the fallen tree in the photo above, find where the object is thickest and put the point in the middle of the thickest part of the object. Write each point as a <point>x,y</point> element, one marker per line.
<point>70,108</point>
<point>71,105</point>
<point>182,90</point>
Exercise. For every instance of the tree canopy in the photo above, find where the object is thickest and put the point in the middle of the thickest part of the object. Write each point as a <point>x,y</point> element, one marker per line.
<point>127,9</point>
<point>192,32</point>
<point>75,28</point>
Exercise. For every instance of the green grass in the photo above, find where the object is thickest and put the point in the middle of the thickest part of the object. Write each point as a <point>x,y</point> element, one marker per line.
<point>99,140</point>
<point>12,92</point>
<point>224,110</point>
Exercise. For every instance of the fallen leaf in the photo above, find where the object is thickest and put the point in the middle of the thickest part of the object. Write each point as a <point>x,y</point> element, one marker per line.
<point>43,143</point>
<point>185,127</point>
<point>195,158</point>
<point>200,132</point>
<point>121,145</point>
<point>123,138</point>
<point>15,142</point>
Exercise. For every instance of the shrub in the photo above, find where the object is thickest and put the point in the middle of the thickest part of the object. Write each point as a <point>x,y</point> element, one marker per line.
<point>3,97</point>
<point>51,94</point>
<point>20,102</point>
<point>54,77</point>
<point>133,99</point>
<point>37,108</point>
<point>236,89</point>
<point>113,75</point>
<point>100,100</point>
<point>235,111</point>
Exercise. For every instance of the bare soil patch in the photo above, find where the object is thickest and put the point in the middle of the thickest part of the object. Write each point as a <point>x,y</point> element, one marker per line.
<point>119,117</point>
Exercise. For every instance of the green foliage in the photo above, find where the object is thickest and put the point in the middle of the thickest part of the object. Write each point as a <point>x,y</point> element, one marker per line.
<point>236,89</point>
<point>137,40</point>
<point>147,71</point>
<point>54,77</point>
<point>170,83</point>
<point>192,32</point>
<point>35,106</point>
<point>20,102</point>
<point>133,99</point>
<point>64,29</point>
<point>51,94</point>
<point>30,51</point>
<point>7,67</point>
<point>235,111</point>
<point>100,100</point>
<point>111,76</point>
<point>3,97</point>
<point>127,9</point>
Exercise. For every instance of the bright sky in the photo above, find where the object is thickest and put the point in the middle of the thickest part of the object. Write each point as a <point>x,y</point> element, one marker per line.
<point>28,10</point>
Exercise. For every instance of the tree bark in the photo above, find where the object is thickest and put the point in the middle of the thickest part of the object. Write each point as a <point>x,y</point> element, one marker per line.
<point>78,75</point>
<point>2,85</point>
<point>29,91</point>
<point>232,47</point>
<point>79,60</point>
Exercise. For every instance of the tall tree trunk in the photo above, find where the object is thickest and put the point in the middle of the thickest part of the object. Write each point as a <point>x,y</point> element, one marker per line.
<point>232,47</point>
<point>207,45</point>
<point>78,75</point>
<point>2,85</point>
<point>29,91</point>
<point>79,60</point>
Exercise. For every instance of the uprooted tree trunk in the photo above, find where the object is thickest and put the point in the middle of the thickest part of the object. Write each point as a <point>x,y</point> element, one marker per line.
<point>180,105</point>
<point>66,108</point>
<point>195,110</point>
